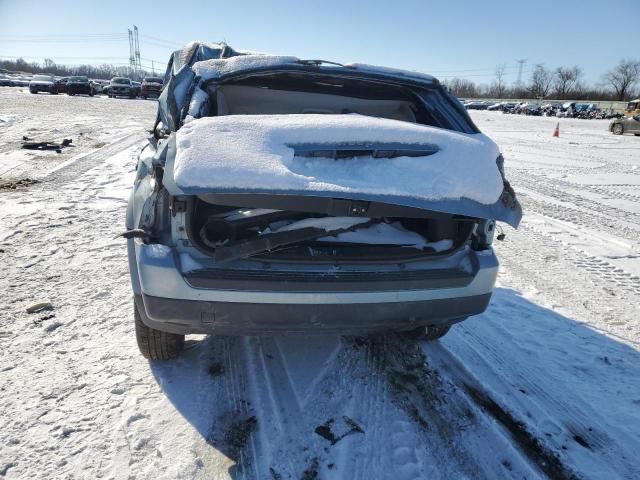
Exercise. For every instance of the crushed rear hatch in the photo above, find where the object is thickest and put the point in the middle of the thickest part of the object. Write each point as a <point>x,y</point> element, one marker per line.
<point>338,163</point>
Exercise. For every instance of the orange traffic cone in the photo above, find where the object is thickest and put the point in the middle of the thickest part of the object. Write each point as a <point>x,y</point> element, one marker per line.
<point>556,131</point>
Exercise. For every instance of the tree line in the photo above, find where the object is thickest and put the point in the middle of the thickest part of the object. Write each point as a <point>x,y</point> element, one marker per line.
<point>105,71</point>
<point>562,83</point>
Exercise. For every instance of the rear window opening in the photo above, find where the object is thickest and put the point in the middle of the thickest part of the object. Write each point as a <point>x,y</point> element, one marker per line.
<point>229,233</point>
<point>279,93</point>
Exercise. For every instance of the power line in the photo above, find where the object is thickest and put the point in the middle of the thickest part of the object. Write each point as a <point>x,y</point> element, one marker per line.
<point>162,40</point>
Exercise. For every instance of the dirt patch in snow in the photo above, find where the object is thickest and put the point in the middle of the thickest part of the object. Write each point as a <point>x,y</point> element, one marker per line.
<point>333,433</point>
<point>545,459</point>
<point>21,184</point>
<point>238,433</point>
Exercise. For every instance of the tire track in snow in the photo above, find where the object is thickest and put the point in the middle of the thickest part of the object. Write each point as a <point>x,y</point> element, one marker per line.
<point>606,275</point>
<point>580,217</point>
<point>70,171</point>
<point>558,190</point>
<point>548,267</point>
<point>546,459</point>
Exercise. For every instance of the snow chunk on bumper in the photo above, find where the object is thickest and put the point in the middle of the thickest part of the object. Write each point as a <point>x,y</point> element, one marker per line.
<point>254,153</point>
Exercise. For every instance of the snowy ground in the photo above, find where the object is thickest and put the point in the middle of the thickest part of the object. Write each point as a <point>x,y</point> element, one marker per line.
<point>545,383</point>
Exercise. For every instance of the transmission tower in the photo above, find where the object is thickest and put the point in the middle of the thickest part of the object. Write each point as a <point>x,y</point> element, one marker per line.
<point>132,58</point>
<point>520,65</point>
<point>137,49</point>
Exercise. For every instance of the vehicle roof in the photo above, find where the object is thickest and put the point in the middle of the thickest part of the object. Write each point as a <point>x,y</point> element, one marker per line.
<point>201,63</point>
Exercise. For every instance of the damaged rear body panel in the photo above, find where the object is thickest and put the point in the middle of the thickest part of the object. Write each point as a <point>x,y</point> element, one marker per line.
<point>288,196</point>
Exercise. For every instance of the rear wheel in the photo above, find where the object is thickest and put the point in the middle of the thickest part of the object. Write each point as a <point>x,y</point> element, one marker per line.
<point>155,344</point>
<point>618,129</point>
<point>428,334</point>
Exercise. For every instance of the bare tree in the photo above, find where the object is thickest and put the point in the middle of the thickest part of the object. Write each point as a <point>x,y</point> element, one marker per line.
<point>541,81</point>
<point>623,77</point>
<point>498,86</point>
<point>463,88</point>
<point>567,81</point>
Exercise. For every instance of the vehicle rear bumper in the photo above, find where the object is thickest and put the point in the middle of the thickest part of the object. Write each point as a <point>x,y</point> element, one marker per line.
<point>225,318</point>
<point>122,92</point>
<point>169,303</point>
<point>41,88</point>
<point>150,92</point>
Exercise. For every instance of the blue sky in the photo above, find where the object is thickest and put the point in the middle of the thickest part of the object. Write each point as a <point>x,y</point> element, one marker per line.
<point>464,38</point>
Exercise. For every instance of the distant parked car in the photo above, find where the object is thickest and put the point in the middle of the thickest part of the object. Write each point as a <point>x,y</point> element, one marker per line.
<point>477,105</point>
<point>136,87</point>
<point>618,126</point>
<point>61,84</point>
<point>43,83</point>
<point>151,87</point>
<point>100,85</point>
<point>21,81</point>
<point>502,106</point>
<point>79,86</point>
<point>633,107</point>
<point>121,87</point>
<point>5,82</point>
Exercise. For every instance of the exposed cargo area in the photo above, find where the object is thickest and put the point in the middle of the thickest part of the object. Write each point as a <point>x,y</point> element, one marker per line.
<point>231,232</point>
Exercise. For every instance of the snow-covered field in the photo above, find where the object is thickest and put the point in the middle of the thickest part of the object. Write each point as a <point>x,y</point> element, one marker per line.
<point>546,383</point>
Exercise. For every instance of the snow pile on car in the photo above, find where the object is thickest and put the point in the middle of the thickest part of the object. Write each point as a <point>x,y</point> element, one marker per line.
<point>216,68</point>
<point>254,153</point>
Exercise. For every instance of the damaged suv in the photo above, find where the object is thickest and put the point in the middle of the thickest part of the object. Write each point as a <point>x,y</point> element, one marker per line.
<point>280,196</point>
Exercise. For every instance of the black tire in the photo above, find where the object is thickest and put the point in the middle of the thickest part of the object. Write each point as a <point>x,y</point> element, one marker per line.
<point>155,344</point>
<point>144,97</point>
<point>428,334</point>
<point>617,129</point>
<point>31,91</point>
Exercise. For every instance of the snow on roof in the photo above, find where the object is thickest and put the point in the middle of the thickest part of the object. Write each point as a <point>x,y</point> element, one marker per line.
<point>216,68</point>
<point>253,152</point>
<point>211,69</point>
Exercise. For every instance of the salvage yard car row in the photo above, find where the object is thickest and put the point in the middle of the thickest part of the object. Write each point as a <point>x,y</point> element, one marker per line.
<point>74,85</point>
<point>549,109</point>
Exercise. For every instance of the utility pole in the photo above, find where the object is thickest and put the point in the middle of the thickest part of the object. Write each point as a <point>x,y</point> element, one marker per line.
<point>153,70</point>
<point>520,65</point>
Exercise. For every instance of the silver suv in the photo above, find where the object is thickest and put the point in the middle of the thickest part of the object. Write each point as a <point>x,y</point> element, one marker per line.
<point>282,196</point>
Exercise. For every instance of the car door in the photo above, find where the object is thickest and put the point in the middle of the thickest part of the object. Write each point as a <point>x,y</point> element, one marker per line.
<point>632,124</point>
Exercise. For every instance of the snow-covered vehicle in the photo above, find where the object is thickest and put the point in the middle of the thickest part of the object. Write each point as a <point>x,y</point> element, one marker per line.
<point>282,196</point>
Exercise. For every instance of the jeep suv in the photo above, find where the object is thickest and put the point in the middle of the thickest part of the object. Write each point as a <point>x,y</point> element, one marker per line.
<point>121,87</point>
<point>283,196</point>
